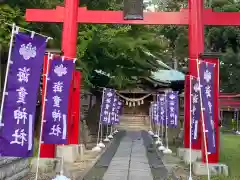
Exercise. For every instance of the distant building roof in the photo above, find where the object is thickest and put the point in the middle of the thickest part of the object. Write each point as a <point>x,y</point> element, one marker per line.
<point>168,75</point>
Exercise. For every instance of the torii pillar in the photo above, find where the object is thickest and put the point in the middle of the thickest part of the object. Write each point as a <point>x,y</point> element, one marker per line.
<point>69,49</point>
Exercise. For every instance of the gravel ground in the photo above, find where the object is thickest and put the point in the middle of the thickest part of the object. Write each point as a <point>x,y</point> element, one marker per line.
<point>41,176</point>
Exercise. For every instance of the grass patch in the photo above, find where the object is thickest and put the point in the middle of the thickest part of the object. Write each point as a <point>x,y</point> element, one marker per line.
<point>230,153</point>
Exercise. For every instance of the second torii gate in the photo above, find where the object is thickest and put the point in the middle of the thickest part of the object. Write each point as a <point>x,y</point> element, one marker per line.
<point>196,16</point>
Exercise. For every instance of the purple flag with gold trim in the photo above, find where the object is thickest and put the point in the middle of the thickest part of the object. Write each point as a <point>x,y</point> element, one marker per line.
<point>17,134</point>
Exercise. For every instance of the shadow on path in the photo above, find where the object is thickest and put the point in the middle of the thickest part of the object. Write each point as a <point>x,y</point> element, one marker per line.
<point>159,171</point>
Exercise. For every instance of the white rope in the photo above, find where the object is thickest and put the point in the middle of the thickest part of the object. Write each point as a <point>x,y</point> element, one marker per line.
<point>7,71</point>
<point>150,118</point>
<point>43,112</point>
<point>133,99</point>
<point>99,129</point>
<point>237,120</point>
<point>101,135</point>
<point>190,131</point>
<point>107,132</point>
<point>166,134</point>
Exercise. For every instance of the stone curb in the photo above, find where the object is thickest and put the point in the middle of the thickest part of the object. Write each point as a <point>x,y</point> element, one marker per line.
<point>160,154</point>
<point>85,171</point>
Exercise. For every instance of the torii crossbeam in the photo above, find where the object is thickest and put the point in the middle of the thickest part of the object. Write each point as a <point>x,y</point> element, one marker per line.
<point>116,17</point>
<point>196,17</point>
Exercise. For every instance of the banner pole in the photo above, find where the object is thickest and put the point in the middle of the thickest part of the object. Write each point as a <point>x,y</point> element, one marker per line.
<point>42,114</point>
<point>237,121</point>
<point>202,117</point>
<point>14,30</point>
<point>166,133</point>
<point>190,130</point>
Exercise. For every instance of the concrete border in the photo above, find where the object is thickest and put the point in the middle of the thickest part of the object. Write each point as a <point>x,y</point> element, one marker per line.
<point>161,155</point>
<point>87,170</point>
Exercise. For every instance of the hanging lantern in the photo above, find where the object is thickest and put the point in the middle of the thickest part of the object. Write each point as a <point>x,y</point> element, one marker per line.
<point>130,104</point>
<point>133,104</point>
<point>142,102</point>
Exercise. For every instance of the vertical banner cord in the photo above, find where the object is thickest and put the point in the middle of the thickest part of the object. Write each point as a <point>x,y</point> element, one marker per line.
<point>150,121</point>
<point>42,115</point>
<point>62,163</point>
<point>190,131</point>
<point>101,133</point>
<point>7,71</point>
<point>237,120</point>
<point>99,129</point>
<point>100,126</point>
<point>203,122</point>
<point>166,134</point>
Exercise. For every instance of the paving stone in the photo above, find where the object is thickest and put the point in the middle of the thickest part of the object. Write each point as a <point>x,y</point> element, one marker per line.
<point>130,161</point>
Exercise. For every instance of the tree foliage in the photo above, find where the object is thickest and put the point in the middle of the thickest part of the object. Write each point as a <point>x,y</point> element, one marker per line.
<point>224,40</point>
<point>119,51</point>
<point>8,15</point>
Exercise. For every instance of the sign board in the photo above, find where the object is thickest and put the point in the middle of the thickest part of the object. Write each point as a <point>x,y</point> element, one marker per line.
<point>133,10</point>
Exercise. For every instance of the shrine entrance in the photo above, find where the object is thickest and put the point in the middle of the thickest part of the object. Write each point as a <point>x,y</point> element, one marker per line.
<point>196,17</point>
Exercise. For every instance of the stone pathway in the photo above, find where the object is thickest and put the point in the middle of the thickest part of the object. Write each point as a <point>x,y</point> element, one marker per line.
<point>130,161</point>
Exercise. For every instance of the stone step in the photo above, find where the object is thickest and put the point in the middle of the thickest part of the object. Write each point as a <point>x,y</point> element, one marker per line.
<point>133,122</point>
<point>13,168</point>
<point>132,127</point>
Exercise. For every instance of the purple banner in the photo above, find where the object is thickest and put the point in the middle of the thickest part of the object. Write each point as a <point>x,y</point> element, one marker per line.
<point>56,110</point>
<point>172,109</point>
<point>207,84</point>
<point>113,115</point>
<point>106,106</point>
<point>195,108</point>
<point>154,111</point>
<point>161,99</point>
<point>119,110</point>
<point>17,134</point>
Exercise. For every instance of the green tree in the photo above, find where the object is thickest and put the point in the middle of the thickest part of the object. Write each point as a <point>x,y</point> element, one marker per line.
<point>8,15</point>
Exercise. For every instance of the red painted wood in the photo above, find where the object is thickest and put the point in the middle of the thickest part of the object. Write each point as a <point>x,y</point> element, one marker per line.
<point>196,46</point>
<point>116,17</point>
<point>46,150</point>
<point>214,158</point>
<point>75,109</point>
<point>106,17</point>
<point>230,103</point>
<point>69,48</point>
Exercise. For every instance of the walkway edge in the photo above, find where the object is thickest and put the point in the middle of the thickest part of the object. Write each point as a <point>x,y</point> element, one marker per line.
<point>86,171</point>
<point>173,176</point>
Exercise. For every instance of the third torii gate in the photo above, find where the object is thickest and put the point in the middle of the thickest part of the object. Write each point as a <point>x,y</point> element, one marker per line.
<point>195,16</point>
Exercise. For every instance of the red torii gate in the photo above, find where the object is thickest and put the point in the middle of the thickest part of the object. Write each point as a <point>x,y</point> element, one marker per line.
<point>196,16</point>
